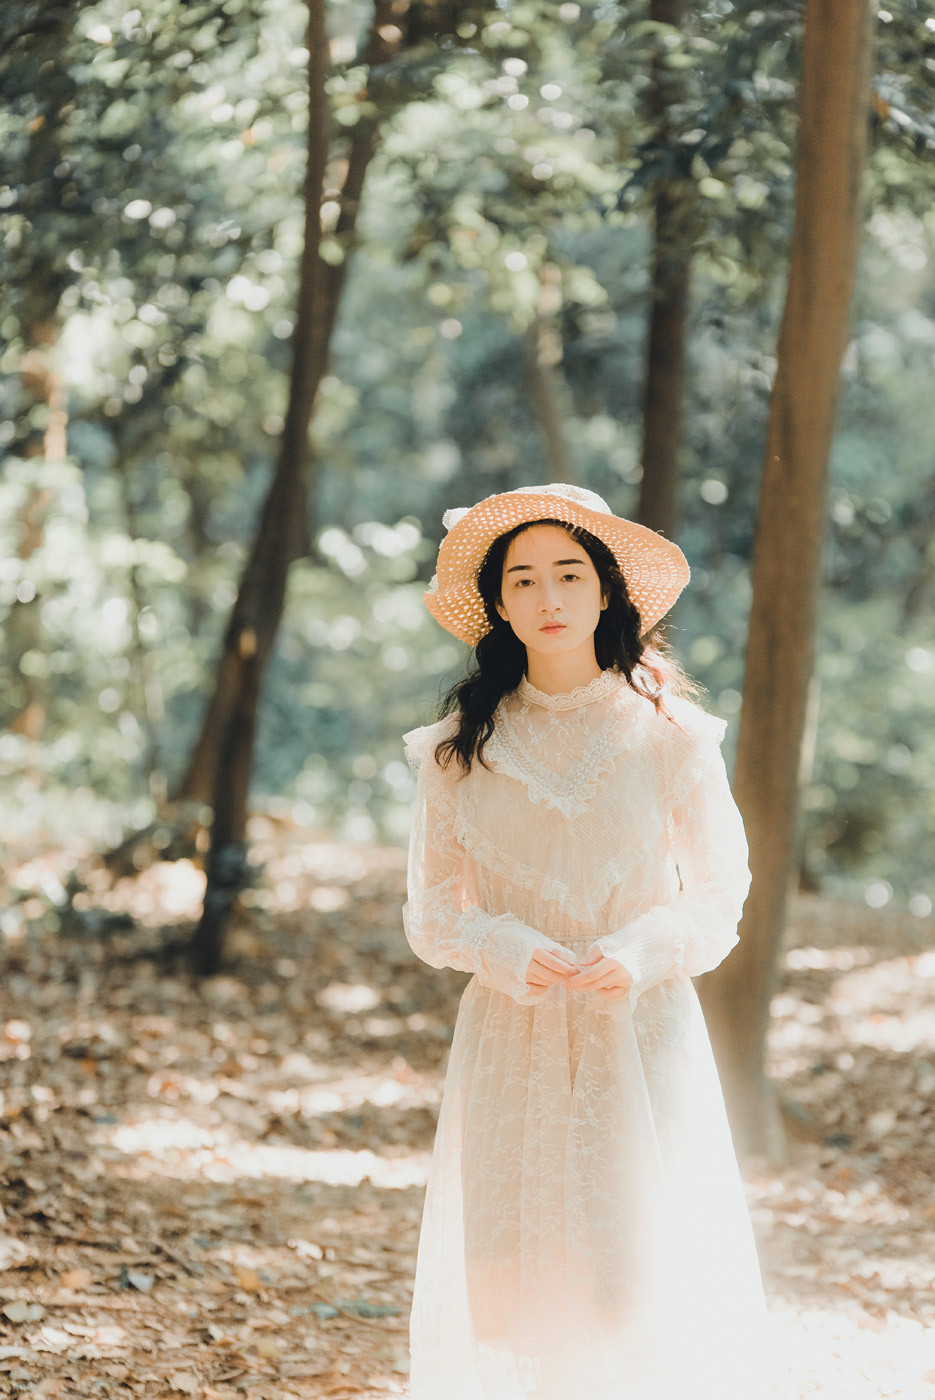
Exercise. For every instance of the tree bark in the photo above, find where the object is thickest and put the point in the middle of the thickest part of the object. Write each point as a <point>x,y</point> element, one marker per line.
<point>321,285</point>
<point>664,381</point>
<point>549,395</point>
<point>664,386</point>
<point>39,277</point>
<point>258,609</point>
<point>789,544</point>
<point>145,673</point>
<point>223,757</point>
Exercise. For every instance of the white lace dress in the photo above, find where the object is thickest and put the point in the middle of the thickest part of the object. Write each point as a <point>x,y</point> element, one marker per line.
<point>585,1234</point>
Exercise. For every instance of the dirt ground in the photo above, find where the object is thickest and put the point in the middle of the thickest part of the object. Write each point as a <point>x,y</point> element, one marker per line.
<point>215,1190</point>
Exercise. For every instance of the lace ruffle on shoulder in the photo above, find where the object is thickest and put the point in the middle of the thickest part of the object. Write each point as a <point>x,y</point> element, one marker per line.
<point>420,744</point>
<point>695,721</point>
<point>689,746</point>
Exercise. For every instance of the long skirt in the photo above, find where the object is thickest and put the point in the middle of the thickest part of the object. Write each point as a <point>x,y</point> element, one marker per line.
<point>585,1234</point>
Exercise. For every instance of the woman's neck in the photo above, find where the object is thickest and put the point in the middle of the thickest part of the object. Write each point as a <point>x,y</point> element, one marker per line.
<point>556,674</point>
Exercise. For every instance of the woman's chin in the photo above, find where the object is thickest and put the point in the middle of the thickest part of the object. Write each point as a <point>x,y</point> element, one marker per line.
<point>556,643</point>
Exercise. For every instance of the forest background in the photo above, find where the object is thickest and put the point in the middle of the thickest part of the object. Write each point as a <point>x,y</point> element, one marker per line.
<point>491,333</point>
<point>281,283</point>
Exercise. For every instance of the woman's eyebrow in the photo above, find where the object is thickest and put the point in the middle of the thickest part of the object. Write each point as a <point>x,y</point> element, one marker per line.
<point>558,564</point>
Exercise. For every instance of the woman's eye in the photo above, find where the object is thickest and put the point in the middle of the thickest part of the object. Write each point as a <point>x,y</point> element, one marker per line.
<point>570,578</point>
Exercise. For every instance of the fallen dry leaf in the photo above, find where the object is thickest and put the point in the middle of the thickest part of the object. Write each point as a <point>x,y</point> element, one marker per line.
<point>20,1311</point>
<point>186,1383</point>
<point>268,1132</point>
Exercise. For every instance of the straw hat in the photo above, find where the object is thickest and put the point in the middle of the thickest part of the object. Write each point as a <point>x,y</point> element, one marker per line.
<point>654,568</point>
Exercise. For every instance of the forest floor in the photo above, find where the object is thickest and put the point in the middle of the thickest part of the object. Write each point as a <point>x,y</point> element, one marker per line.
<point>215,1191</point>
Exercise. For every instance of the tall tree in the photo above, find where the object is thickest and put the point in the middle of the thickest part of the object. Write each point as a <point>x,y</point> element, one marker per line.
<point>283,530</point>
<point>664,376</point>
<point>548,389</point>
<point>223,758</point>
<point>257,611</point>
<point>834,109</point>
<point>37,169</point>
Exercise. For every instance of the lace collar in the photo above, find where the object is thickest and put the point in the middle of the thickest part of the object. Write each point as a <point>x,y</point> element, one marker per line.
<point>570,699</point>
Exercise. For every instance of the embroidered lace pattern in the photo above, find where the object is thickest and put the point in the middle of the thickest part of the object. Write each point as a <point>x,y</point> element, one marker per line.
<point>570,699</point>
<point>561,746</point>
<point>584,1219</point>
<point>571,792</point>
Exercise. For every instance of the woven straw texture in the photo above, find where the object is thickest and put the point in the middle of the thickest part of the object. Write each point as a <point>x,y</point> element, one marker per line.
<point>655,569</point>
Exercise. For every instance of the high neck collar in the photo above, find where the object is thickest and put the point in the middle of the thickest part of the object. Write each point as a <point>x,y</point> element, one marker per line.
<point>569,699</point>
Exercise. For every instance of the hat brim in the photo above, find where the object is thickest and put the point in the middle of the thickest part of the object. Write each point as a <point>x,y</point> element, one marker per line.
<point>654,568</point>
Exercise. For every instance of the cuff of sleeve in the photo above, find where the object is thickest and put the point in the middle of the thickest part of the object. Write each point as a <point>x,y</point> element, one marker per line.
<point>649,953</point>
<point>504,958</point>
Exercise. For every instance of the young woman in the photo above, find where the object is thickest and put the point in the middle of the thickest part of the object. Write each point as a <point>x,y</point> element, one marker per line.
<point>576,847</point>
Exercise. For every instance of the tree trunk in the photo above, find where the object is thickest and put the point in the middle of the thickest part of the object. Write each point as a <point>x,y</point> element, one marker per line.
<point>319,299</point>
<point>40,276</point>
<point>664,382</point>
<point>548,389</point>
<point>258,609</point>
<point>664,385</point>
<point>23,709</point>
<point>789,544</point>
<point>224,754</point>
<point>150,704</point>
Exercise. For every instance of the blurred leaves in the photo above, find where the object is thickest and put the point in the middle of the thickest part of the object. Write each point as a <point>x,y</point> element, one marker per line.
<point>151,225</point>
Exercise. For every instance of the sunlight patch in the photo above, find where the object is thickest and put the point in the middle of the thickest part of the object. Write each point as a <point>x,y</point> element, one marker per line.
<point>181,1149</point>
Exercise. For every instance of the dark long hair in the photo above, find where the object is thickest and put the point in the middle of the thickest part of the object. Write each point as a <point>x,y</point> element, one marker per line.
<point>500,657</point>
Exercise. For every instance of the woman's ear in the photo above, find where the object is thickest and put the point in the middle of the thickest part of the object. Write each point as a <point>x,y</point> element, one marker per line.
<point>605,599</point>
<point>501,610</point>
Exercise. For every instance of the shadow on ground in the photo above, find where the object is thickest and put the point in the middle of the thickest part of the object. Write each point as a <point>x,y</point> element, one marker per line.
<point>215,1189</point>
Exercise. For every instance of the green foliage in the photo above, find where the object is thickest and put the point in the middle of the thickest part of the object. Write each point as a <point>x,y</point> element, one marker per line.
<point>150,196</point>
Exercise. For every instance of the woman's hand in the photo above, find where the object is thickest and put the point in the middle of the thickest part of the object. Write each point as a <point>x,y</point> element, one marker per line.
<point>605,976</point>
<point>547,967</point>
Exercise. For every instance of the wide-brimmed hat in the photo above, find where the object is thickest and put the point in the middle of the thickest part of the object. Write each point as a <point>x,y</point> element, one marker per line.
<point>654,568</point>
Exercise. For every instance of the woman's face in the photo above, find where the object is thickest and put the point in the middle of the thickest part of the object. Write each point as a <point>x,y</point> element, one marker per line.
<point>550,592</point>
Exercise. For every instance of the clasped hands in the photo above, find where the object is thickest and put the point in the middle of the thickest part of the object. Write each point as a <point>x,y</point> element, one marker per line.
<point>605,976</point>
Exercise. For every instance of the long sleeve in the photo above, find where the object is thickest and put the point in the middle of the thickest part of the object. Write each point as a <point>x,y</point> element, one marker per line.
<point>697,930</point>
<point>443,925</point>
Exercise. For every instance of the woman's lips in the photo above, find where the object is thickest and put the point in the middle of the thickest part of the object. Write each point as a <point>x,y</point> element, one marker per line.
<point>553,627</point>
